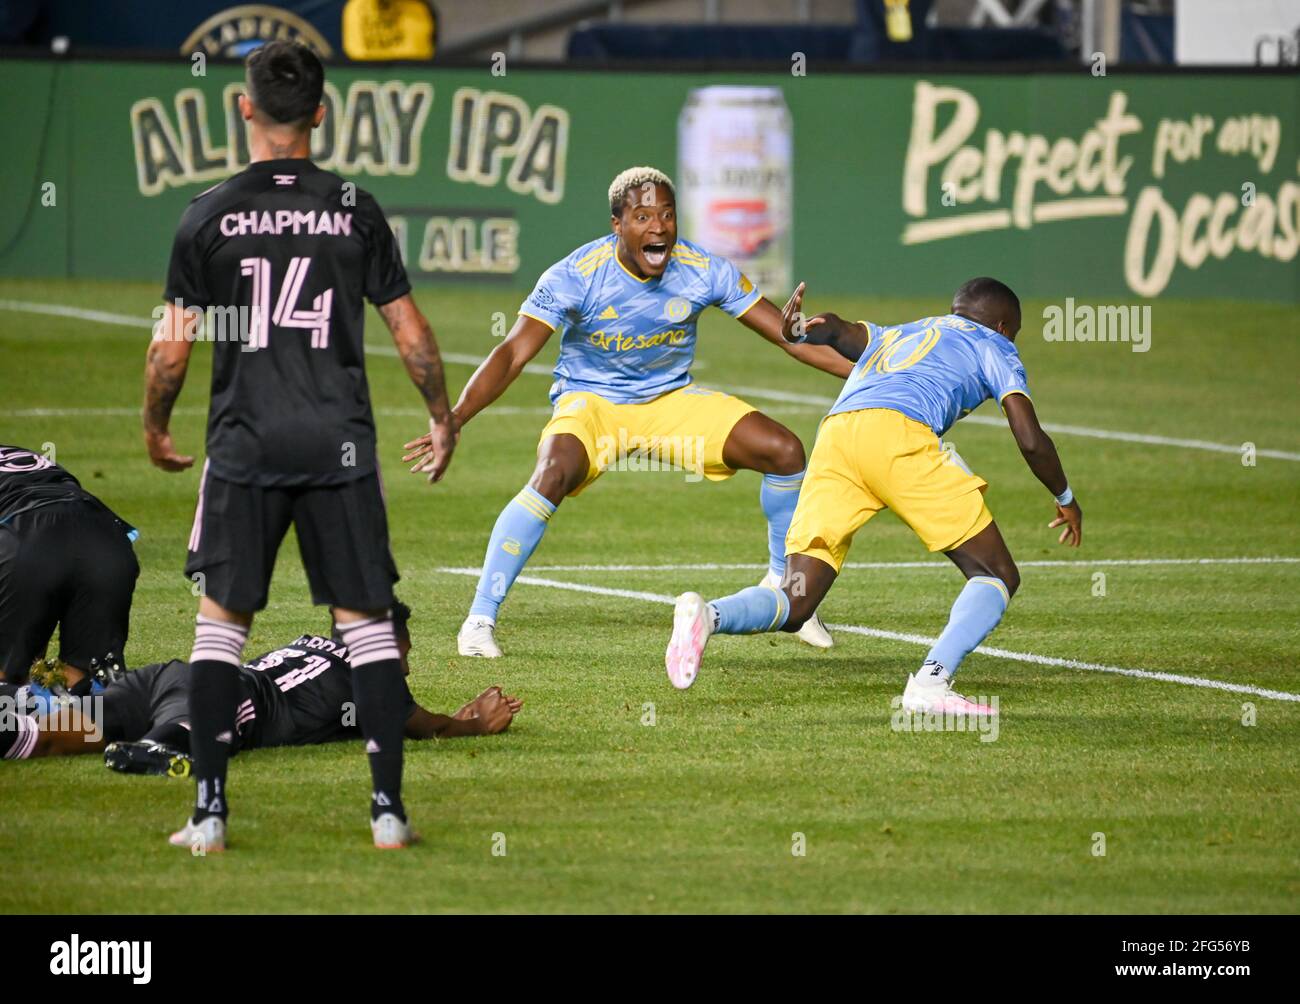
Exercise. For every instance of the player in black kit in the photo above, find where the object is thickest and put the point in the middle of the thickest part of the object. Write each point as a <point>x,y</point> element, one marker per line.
<point>65,560</point>
<point>286,254</point>
<point>297,695</point>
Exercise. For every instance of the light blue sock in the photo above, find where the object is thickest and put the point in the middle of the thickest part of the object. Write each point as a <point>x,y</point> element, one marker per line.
<point>778,495</point>
<point>750,611</point>
<point>515,537</point>
<point>975,614</point>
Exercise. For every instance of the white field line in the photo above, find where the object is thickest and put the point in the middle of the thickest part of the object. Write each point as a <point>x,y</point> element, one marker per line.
<point>710,566</point>
<point>505,409</point>
<point>761,393</point>
<point>917,639</point>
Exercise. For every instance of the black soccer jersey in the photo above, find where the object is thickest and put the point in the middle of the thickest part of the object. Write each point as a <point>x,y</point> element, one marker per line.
<point>299,694</point>
<point>30,480</point>
<point>281,256</point>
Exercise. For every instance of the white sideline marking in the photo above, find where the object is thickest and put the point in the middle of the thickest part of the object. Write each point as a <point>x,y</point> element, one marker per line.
<point>916,639</point>
<point>711,566</point>
<point>505,409</point>
<point>1065,430</point>
<point>762,393</point>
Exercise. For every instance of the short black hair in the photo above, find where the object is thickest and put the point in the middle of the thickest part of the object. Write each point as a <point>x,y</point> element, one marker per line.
<point>285,81</point>
<point>987,301</point>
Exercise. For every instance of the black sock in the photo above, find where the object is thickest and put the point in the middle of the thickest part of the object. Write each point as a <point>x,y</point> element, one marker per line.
<point>214,696</point>
<point>381,711</point>
<point>380,693</point>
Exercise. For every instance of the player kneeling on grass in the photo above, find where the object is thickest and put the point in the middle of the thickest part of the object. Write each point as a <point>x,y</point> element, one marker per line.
<point>298,695</point>
<point>66,561</point>
<point>626,306</point>
<point>879,448</point>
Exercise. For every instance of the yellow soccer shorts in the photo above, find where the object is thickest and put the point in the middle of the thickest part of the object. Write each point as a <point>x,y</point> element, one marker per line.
<point>685,428</point>
<point>866,461</point>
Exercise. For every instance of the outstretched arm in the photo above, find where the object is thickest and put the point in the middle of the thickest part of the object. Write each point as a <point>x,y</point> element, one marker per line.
<point>779,327</point>
<point>849,340</point>
<point>489,713</point>
<point>1040,454</point>
<point>503,364</point>
<point>418,348</point>
<point>165,365</point>
<point>493,376</point>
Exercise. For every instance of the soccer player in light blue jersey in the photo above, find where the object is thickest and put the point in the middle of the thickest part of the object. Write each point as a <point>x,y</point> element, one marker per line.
<point>626,307</point>
<point>879,447</point>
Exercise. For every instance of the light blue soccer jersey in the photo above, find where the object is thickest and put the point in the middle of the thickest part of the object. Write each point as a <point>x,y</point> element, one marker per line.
<point>628,339</point>
<point>934,370</point>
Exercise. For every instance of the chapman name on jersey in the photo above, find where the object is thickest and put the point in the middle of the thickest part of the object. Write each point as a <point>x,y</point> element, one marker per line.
<point>625,338</point>
<point>286,221</point>
<point>934,370</point>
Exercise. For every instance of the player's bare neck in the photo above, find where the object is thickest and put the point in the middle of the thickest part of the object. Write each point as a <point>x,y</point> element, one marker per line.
<point>279,145</point>
<point>628,260</point>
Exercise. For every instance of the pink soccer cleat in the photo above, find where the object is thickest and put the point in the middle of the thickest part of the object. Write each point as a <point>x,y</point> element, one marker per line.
<point>935,696</point>
<point>692,625</point>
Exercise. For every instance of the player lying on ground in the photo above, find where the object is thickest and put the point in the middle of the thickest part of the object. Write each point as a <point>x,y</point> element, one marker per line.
<point>295,696</point>
<point>879,448</point>
<point>293,250</point>
<point>626,306</point>
<point>66,561</point>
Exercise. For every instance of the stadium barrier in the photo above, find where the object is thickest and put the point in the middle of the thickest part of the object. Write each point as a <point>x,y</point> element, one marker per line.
<point>1111,185</point>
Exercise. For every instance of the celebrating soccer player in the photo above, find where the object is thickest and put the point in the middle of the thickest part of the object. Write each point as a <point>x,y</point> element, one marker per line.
<point>291,438</point>
<point>879,448</point>
<point>626,306</point>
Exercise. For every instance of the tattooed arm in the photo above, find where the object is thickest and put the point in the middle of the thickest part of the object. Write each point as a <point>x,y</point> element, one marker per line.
<point>419,351</point>
<point>164,375</point>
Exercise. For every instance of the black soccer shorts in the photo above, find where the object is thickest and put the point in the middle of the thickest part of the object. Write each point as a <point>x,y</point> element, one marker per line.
<point>70,565</point>
<point>342,538</point>
<point>146,699</point>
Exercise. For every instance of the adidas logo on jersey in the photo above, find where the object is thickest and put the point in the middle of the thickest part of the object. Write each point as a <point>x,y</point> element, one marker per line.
<point>609,314</point>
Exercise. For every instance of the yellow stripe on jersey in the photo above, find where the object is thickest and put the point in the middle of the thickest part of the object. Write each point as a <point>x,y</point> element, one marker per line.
<point>539,320</point>
<point>603,249</point>
<point>698,263</point>
<point>589,265</point>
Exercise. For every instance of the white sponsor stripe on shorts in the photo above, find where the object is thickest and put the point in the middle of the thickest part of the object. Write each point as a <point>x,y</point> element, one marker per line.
<point>196,531</point>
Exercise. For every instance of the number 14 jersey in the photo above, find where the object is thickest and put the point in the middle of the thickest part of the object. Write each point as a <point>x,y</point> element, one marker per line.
<point>281,257</point>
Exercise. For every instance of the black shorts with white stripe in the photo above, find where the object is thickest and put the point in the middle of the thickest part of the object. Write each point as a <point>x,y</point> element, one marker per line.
<point>342,537</point>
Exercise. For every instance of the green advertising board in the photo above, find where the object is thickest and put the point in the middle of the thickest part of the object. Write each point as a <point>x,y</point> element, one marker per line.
<point>1118,186</point>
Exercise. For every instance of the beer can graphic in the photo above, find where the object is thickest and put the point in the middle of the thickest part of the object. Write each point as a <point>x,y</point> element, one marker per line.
<point>734,180</point>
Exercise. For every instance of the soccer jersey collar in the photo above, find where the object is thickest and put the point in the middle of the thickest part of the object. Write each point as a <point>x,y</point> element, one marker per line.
<point>283,164</point>
<point>648,278</point>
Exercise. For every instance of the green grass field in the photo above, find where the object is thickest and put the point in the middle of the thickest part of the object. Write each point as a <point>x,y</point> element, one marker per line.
<point>698,812</point>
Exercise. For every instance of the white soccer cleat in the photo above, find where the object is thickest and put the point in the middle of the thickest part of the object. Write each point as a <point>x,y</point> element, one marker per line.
<point>935,696</point>
<point>392,833</point>
<point>813,632</point>
<point>202,838</point>
<point>692,625</point>
<point>478,637</point>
